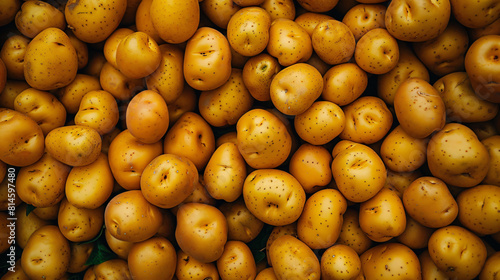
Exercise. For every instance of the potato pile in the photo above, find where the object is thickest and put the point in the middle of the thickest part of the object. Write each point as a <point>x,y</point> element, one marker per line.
<point>250,139</point>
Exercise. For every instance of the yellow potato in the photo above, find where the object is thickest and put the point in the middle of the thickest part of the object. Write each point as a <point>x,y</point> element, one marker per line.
<point>112,42</point>
<point>12,53</point>
<point>493,176</point>
<point>187,267</point>
<point>377,51</point>
<point>274,196</point>
<point>185,102</point>
<point>114,269</point>
<point>9,9</point>
<point>289,42</point>
<point>79,224</point>
<point>416,236</point>
<point>475,16</point>
<point>429,268</point>
<point>391,260</point>
<point>258,74</point>
<point>35,16</point>
<point>491,267</point>
<point>74,145</point>
<point>45,71</point>
<point>98,110</point>
<point>47,254</point>
<point>321,220</point>
<point>119,247</point>
<point>477,209</point>
<point>242,225</point>
<point>292,259</point>
<point>72,94</point>
<point>154,258</point>
<point>333,42</point>
<point>93,21</point>
<point>236,262</point>
<point>344,83</point>
<point>309,21</point>
<point>364,17</point>
<point>168,180</point>
<point>219,11</point>
<point>119,85</point>
<point>266,274</point>
<point>81,48</point>
<point>126,211</point>
<point>318,6</point>
<point>279,9</point>
<point>138,55</point>
<point>175,21</point>
<point>248,30</point>
<point>340,262</point>
<point>80,253</point>
<point>25,226</point>
<point>310,165</point>
<point>10,92</point>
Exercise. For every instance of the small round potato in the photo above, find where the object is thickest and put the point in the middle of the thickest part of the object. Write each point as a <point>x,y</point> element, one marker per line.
<point>236,262</point>
<point>310,165</point>
<point>79,224</point>
<point>138,55</point>
<point>293,259</point>
<point>72,94</point>
<point>241,223</point>
<point>333,42</point>
<point>219,11</point>
<point>188,266</point>
<point>377,51</point>
<point>119,247</point>
<point>119,85</point>
<point>274,196</point>
<point>390,260</point>
<point>154,258</point>
<point>258,74</point>
<point>340,262</point>
<point>289,42</point>
<point>35,16</point>
<point>25,226</point>
<point>248,31</point>
<point>344,83</point>
<point>112,42</point>
<point>364,17</point>
<point>477,209</point>
<point>416,236</point>
<point>290,229</point>
<point>12,53</point>
<point>168,180</point>
<point>351,233</point>
<point>175,21</point>
<point>98,110</point>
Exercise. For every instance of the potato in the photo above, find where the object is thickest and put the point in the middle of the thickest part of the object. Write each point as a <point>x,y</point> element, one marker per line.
<point>344,83</point>
<point>119,247</point>
<point>402,152</point>
<point>71,95</point>
<point>248,30</point>
<point>114,269</point>
<point>241,223</point>
<point>143,20</point>
<point>358,172</point>
<point>367,120</point>
<point>481,64</point>
<point>289,42</point>
<point>377,51</point>
<point>340,262</point>
<point>266,274</point>
<point>199,194</point>
<point>419,108</point>
<point>461,102</point>
<point>44,71</point>
<point>309,20</point>
<point>81,48</point>
<point>201,231</point>
<point>207,59</point>
<point>290,229</point>
<point>187,267</point>
<point>417,21</point>
<point>93,21</point>
<point>236,262</point>
<point>408,66</point>
<point>12,53</point>
<point>333,42</point>
<point>98,110</point>
<point>416,236</point>
<point>245,3</point>
<point>154,258</point>
<point>457,252</point>
<point>318,6</point>
<point>25,226</point>
<point>119,85</point>
<point>191,137</point>
<point>429,268</point>
<point>364,17</point>
<point>351,233</point>
<point>168,79</point>
<point>80,253</point>
<point>429,202</point>
<point>126,211</point>
<point>390,260</point>
<point>79,224</point>
<point>74,145</point>
<point>42,183</point>
<point>491,267</point>
<point>382,217</point>
<point>456,156</point>
<point>294,89</point>
<point>17,274</point>
<point>47,213</point>
<point>186,102</point>
<point>46,255</point>
<point>224,105</point>
<point>91,185</point>
<point>293,259</point>
<point>9,9</point>
<point>219,11</point>
<point>493,176</point>
<point>274,196</point>
<point>10,92</point>
<point>279,9</point>
<point>310,165</point>
<point>112,42</point>
<point>35,16</point>
<point>444,54</point>
<point>138,55</point>
<point>321,220</point>
<point>147,117</point>
<point>175,22</point>
<point>477,209</point>
<point>168,179</point>
<point>258,74</point>
<point>263,140</point>
<point>42,107</point>
<point>475,16</point>
<point>490,29</point>
<point>128,157</point>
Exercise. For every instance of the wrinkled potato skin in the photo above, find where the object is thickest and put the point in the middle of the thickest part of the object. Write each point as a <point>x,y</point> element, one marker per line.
<point>477,209</point>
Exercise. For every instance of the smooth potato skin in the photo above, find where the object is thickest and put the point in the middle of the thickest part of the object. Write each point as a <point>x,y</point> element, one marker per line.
<point>188,266</point>
<point>389,260</point>
<point>293,259</point>
<point>340,262</point>
<point>79,224</point>
<point>310,165</point>
<point>248,30</point>
<point>241,223</point>
<point>236,262</point>
<point>35,16</point>
<point>154,258</point>
<point>175,21</point>
<point>477,209</point>
<point>98,110</point>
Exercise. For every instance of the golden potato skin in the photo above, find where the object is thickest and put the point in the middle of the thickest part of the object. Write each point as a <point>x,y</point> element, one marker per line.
<point>429,202</point>
<point>44,71</point>
<point>9,9</point>
<point>321,220</point>
<point>11,90</point>
<point>419,108</point>
<point>293,259</point>
<point>47,254</point>
<point>289,42</point>
<point>114,269</point>
<point>154,258</point>
<point>377,51</point>
<point>119,247</point>
<point>219,11</point>
<point>168,179</point>
<point>22,138</point>
<point>266,274</point>
<point>74,145</point>
<point>236,262</point>
<point>35,16</point>
<point>310,165</point>
<point>364,17</point>
<point>344,83</point>
<point>351,233</point>
<point>492,144</point>
<point>457,252</point>
<point>201,231</point>
<point>429,268</point>
<point>80,253</point>
<point>491,267</point>
<point>188,266</point>
<point>175,21</point>
<point>258,74</point>
<point>71,95</point>
<point>98,110</point>
<point>391,260</point>
<point>340,262</point>
<point>416,236</point>
<point>241,223</point>
<point>126,211</point>
<point>12,53</point>
<point>93,21</point>
<point>207,59</point>
<point>417,21</point>
<point>42,183</point>
<point>318,6</point>
<point>333,42</point>
<point>309,20</point>
<point>79,224</point>
<point>248,30</point>
<point>279,9</point>
<point>254,131</point>
<point>477,209</point>
<point>456,156</point>
<point>119,85</point>
<point>294,89</point>
<point>475,16</point>
<point>25,226</point>
<point>138,55</point>
<point>274,196</point>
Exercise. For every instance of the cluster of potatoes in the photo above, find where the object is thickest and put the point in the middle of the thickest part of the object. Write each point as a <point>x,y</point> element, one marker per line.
<point>363,136</point>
